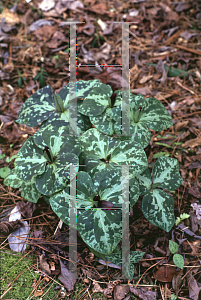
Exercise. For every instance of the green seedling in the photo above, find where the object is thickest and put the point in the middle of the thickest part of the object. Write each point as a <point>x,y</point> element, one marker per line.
<point>177,258</point>
<point>40,77</point>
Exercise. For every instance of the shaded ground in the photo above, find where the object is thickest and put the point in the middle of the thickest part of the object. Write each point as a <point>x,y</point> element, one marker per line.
<point>165,62</point>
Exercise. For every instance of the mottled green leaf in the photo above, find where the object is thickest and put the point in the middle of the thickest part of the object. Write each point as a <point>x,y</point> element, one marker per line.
<point>158,209</point>
<point>174,247</point>
<point>100,229</point>
<point>27,188</point>
<point>37,108</point>
<point>82,89</point>
<point>166,171</point>
<point>135,257</point>
<point>29,146</point>
<point>85,190</point>
<point>178,260</point>
<point>62,119</point>
<point>60,204</point>
<point>104,123</point>
<point>57,140</point>
<point>155,115</point>
<point>97,146</point>
<point>56,175</point>
<point>109,186</point>
<point>96,101</point>
<point>29,165</point>
<point>13,179</point>
<point>29,191</point>
<point>144,180</point>
<point>134,191</point>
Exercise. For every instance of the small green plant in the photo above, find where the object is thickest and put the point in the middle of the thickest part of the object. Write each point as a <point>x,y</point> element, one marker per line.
<point>181,218</point>
<point>20,78</point>
<point>40,77</point>
<point>177,258</point>
<point>42,166</point>
<point>6,170</point>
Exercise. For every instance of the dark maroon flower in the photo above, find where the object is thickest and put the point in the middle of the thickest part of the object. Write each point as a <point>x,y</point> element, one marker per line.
<point>113,98</point>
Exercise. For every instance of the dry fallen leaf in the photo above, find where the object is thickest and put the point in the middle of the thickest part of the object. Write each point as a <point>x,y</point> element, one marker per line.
<point>194,289</point>
<point>165,273</point>
<point>120,291</point>
<point>67,278</point>
<point>192,143</point>
<point>44,265</point>
<point>143,293</point>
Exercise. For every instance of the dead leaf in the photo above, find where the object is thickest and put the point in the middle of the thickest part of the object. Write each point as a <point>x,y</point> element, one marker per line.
<point>180,125</point>
<point>195,192</point>
<point>143,293</point>
<point>192,143</point>
<point>10,17</point>
<point>38,293</point>
<point>177,281</point>
<point>144,91</point>
<point>165,273</point>
<point>8,227</point>
<point>145,79</point>
<point>120,291</point>
<point>26,208</point>
<point>39,23</point>
<point>67,278</point>
<point>194,289</point>
<point>63,5</point>
<point>44,265</point>
<point>45,32</point>
<point>46,5</point>
<point>57,39</point>
<point>97,288</point>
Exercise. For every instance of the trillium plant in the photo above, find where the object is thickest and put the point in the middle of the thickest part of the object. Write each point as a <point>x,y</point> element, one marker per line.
<point>98,150</point>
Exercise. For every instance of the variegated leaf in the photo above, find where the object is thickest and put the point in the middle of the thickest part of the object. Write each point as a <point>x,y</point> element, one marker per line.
<point>138,132</point>
<point>85,190</point>
<point>109,186</point>
<point>100,229</point>
<point>60,119</point>
<point>60,205</point>
<point>144,180</point>
<point>156,116</point>
<point>103,122</point>
<point>41,106</point>
<point>37,108</point>
<point>28,146</point>
<point>97,146</point>
<point>96,101</point>
<point>81,87</point>
<point>29,191</point>
<point>158,209</point>
<point>134,191</point>
<point>166,171</point>
<point>56,175</point>
<point>13,180</point>
<point>58,140</point>
<point>135,257</point>
<point>29,165</point>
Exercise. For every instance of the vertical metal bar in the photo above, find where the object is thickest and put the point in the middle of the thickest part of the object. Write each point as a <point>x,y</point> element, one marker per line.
<point>125,79</point>
<point>72,92</point>
<point>73,222</point>
<point>73,131</point>
<point>125,131</point>
<point>125,222</point>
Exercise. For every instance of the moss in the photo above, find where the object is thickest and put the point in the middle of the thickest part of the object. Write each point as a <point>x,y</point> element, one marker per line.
<point>13,268</point>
